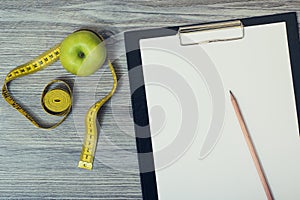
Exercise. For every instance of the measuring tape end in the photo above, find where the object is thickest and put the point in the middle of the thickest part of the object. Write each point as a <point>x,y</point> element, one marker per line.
<point>85,165</point>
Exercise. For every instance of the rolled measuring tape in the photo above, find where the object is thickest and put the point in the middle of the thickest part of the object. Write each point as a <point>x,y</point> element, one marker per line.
<point>58,100</point>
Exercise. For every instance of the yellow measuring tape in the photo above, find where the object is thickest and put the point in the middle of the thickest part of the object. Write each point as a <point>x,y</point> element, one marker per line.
<point>91,136</point>
<point>58,101</point>
<point>33,66</point>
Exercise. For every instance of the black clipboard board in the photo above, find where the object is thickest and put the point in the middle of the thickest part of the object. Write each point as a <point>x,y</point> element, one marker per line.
<point>139,100</point>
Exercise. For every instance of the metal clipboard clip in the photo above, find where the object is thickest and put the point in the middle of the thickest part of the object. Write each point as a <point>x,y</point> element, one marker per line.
<point>207,33</point>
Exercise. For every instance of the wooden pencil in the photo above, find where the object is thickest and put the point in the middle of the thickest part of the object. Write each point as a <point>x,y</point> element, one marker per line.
<point>251,147</point>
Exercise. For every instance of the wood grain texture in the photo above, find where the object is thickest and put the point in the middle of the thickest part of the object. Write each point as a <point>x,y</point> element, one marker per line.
<point>39,164</point>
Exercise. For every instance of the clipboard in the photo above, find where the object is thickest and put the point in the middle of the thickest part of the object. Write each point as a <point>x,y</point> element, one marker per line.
<point>194,66</point>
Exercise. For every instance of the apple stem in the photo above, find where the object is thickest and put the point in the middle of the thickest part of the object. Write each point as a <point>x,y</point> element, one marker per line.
<point>81,55</point>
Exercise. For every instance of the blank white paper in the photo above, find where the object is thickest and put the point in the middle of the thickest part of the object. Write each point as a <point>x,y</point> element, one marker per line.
<point>257,69</point>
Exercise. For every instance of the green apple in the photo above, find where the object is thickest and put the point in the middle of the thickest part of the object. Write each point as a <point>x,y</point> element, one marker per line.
<point>82,53</point>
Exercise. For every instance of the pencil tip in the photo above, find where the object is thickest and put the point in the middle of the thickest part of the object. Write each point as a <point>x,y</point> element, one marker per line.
<point>231,95</point>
